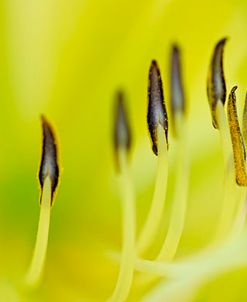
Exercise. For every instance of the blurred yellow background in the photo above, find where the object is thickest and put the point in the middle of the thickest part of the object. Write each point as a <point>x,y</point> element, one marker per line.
<point>66,59</point>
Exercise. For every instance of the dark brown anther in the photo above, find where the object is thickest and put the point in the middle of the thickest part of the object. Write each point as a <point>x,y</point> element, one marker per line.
<point>177,91</point>
<point>157,114</point>
<point>49,166</point>
<point>122,133</point>
<point>216,86</point>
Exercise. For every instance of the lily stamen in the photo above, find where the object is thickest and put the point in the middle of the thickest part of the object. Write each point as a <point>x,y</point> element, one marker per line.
<point>239,154</point>
<point>179,203</point>
<point>216,91</point>
<point>238,146</point>
<point>122,144</point>
<point>158,128</point>
<point>242,209</point>
<point>48,177</point>
<point>216,86</point>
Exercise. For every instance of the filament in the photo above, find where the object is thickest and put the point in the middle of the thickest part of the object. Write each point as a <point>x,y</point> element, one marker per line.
<point>187,276</point>
<point>179,204</point>
<point>35,271</point>
<point>229,202</point>
<point>240,216</point>
<point>153,220</point>
<point>192,272</point>
<point>126,270</point>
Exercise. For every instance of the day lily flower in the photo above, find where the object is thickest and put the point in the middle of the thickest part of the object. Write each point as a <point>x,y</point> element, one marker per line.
<point>183,238</point>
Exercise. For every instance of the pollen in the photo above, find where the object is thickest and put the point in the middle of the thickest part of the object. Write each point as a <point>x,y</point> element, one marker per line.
<point>238,146</point>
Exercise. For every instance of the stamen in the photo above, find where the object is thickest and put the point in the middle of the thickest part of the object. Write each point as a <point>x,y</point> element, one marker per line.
<point>122,145</point>
<point>237,141</point>
<point>242,208</point>
<point>179,204</point>
<point>48,177</point>
<point>216,87</point>
<point>216,90</point>
<point>158,128</point>
<point>239,154</point>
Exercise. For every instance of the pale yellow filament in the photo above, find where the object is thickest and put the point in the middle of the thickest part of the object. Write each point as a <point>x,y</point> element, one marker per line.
<point>126,270</point>
<point>229,201</point>
<point>179,205</point>
<point>187,276</point>
<point>36,268</point>
<point>151,226</point>
<point>241,210</point>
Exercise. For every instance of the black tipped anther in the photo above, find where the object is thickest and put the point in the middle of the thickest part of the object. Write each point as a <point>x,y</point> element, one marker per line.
<point>177,92</point>
<point>49,166</point>
<point>122,134</point>
<point>157,114</point>
<point>216,85</point>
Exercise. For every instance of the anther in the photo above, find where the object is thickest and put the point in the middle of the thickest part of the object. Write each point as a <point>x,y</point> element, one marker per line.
<point>122,134</point>
<point>177,91</point>
<point>216,86</point>
<point>49,165</point>
<point>157,114</point>
<point>237,141</point>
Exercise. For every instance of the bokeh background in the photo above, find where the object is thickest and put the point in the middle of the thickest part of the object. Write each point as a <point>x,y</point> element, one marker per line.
<point>66,59</point>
